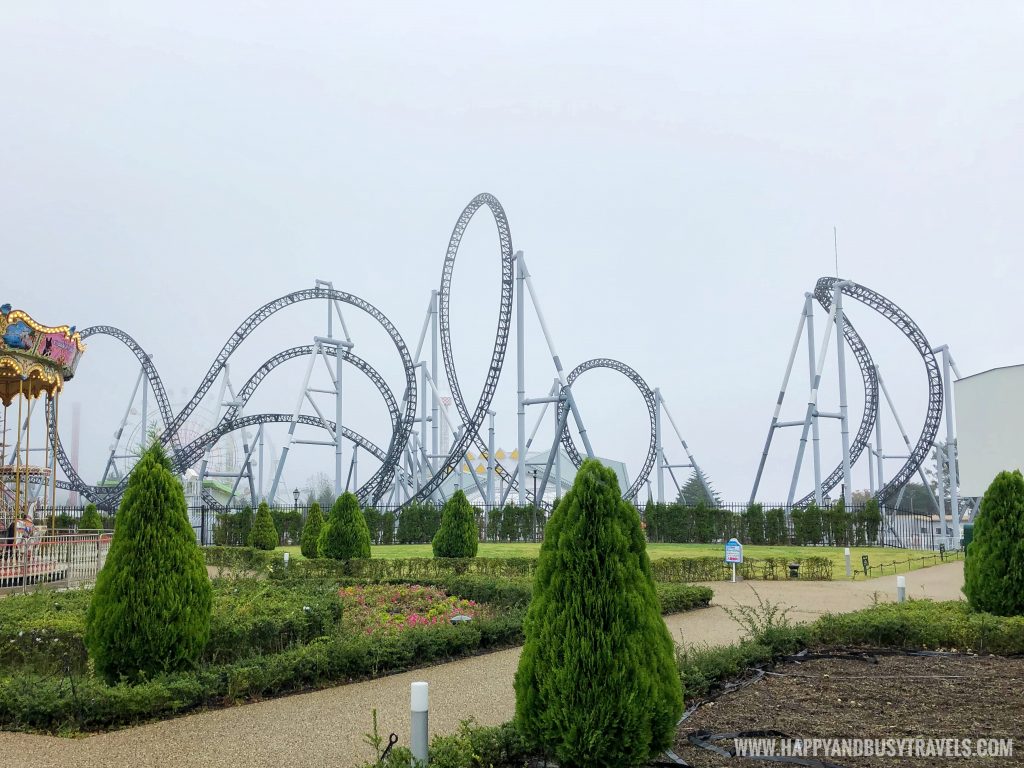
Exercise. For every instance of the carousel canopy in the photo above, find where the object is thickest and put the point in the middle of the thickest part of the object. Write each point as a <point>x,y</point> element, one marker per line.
<point>34,358</point>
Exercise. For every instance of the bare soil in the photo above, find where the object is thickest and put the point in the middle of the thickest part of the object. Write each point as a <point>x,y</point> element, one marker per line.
<point>878,697</point>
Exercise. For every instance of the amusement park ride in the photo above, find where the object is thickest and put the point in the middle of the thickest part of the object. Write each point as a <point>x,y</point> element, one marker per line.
<point>35,361</point>
<point>829,293</point>
<point>412,466</point>
<point>429,444</point>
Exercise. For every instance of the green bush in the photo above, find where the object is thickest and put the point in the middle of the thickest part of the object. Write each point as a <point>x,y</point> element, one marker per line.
<point>257,617</point>
<point>753,524</point>
<point>311,532</point>
<point>50,703</point>
<point>90,520</point>
<point>288,524</point>
<point>150,610</point>
<point>775,527</point>
<point>232,528</point>
<point>44,631</point>
<point>345,536</point>
<point>457,536</point>
<point>994,566</point>
<point>691,569</point>
<point>596,646</point>
<point>922,625</point>
<point>872,521</point>
<point>417,523</point>
<point>676,598</point>
<point>263,534</point>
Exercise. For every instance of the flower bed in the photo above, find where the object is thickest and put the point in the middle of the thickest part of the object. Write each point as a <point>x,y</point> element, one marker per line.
<point>368,609</point>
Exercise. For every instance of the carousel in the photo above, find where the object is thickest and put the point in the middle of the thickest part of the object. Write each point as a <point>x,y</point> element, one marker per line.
<point>35,361</point>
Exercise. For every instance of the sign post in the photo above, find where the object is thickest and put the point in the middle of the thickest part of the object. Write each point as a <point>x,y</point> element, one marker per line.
<point>733,555</point>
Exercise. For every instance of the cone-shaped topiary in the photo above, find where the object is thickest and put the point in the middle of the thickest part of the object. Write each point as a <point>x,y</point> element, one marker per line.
<point>311,531</point>
<point>345,536</point>
<point>597,683</point>
<point>150,609</point>
<point>994,566</point>
<point>263,534</point>
<point>457,536</point>
<point>90,520</point>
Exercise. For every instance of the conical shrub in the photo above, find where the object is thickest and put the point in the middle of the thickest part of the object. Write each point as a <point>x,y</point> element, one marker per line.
<point>311,531</point>
<point>263,534</point>
<point>90,520</point>
<point>457,536</point>
<point>345,536</point>
<point>994,566</point>
<point>150,609</point>
<point>597,683</point>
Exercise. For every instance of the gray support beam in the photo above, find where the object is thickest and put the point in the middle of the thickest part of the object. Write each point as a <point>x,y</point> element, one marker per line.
<point>660,446</point>
<point>520,376</point>
<point>906,440</point>
<point>812,400</point>
<point>338,458</point>
<point>434,400</point>
<point>556,359</point>
<point>878,442</point>
<point>816,426</point>
<point>954,490</point>
<point>778,403</point>
<point>843,405</point>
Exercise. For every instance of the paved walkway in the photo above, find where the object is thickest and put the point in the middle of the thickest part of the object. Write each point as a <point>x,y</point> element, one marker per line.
<point>325,728</point>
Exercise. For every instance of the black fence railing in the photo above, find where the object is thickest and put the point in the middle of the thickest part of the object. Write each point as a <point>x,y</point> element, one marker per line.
<point>828,525</point>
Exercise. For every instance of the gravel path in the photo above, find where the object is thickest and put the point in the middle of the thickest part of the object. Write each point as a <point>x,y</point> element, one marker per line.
<point>325,728</point>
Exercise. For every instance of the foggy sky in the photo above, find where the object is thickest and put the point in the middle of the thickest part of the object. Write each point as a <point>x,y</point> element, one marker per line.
<point>673,173</point>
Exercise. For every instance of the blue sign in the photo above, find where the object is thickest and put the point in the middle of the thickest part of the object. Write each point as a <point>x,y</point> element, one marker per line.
<point>733,551</point>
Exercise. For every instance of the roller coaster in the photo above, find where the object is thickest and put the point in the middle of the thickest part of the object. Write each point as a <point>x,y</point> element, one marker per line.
<point>408,469</point>
<point>829,293</point>
<point>412,466</point>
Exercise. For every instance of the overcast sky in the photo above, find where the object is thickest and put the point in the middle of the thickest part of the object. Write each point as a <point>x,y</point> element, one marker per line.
<point>673,173</point>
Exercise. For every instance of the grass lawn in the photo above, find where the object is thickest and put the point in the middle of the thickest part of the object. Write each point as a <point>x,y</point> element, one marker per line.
<point>896,560</point>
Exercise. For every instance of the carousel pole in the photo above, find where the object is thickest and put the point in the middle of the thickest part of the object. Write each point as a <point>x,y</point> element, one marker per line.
<point>46,450</point>
<point>28,456</point>
<point>53,474</point>
<point>17,454</point>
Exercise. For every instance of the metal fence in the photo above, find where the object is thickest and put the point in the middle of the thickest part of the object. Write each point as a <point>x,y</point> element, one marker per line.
<point>61,560</point>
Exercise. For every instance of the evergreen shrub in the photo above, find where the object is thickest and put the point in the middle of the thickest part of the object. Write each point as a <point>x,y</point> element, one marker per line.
<point>263,534</point>
<point>150,609</point>
<point>345,536</point>
<point>311,532</point>
<point>457,536</point>
<point>994,565</point>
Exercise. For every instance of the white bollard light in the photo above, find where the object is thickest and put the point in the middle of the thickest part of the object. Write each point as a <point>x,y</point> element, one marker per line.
<point>849,568</point>
<point>901,589</point>
<point>285,559</point>
<point>419,706</point>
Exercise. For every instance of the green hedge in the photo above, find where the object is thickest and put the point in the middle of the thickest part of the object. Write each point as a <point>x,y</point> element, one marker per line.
<point>704,524</point>
<point>263,642</point>
<point>923,624</point>
<point>44,632</point>
<point>691,569</point>
<point>668,569</point>
<point>56,703</point>
<point>376,569</point>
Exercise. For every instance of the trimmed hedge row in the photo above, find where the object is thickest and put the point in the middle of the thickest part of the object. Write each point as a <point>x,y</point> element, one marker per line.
<point>913,626</point>
<point>690,569</point>
<point>46,695</point>
<point>669,569</point>
<point>56,703</point>
<point>44,632</point>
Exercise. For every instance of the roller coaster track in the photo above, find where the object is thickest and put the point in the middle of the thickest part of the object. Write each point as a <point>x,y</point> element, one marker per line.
<point>473,422</point>
<point>648,395</point>
<point>401,424</point>
<point>824,291</point>
<point>402,414</point>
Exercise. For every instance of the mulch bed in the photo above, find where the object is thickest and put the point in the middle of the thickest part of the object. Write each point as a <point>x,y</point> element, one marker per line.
<point>873,697</point>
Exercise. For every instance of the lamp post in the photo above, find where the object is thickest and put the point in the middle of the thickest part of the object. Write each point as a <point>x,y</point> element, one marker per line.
<point>295,495</point>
